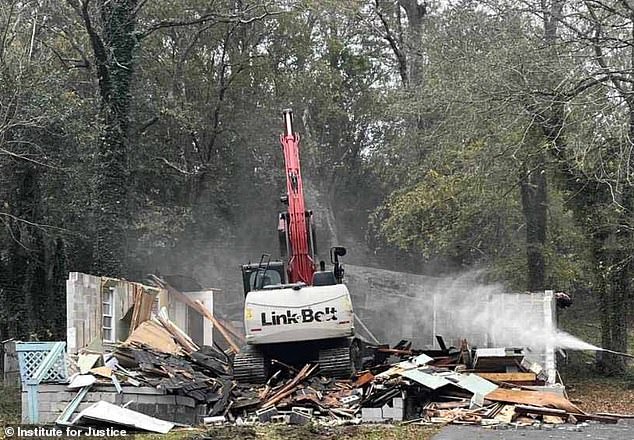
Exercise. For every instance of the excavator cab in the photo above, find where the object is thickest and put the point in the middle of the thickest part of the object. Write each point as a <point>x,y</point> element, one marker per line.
<point>324,277</point>
<point>256,276</point>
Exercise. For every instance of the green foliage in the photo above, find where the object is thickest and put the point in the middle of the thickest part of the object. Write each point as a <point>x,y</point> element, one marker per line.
<point>429,121</point>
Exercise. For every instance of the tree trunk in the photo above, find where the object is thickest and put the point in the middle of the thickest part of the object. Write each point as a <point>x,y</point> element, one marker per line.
<point>534,206</point>
<point>114,60</point>
<point>614,284</point>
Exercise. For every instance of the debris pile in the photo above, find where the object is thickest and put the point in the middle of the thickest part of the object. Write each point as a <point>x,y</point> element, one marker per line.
<point>399,384</point>
<point>460,386</point>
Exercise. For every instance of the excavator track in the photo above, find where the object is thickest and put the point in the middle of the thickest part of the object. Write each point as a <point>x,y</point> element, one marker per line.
<point>339,362</point>
<point>250,366</point>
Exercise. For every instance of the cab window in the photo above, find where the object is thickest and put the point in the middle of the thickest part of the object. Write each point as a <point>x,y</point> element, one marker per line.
<point>267,278</point>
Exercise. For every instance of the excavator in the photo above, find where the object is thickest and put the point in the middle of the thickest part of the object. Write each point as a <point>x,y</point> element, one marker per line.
<point>294,313</point>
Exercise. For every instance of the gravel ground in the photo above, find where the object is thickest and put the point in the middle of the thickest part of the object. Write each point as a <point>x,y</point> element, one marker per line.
<point>624,430</point>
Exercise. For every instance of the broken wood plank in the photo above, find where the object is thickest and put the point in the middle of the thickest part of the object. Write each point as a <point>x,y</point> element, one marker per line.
<point>153,335</point>
<point>365,378</point>
<point>617,416</point>
<point>142,308</point>
<point>223,331</point>
<point>508,377</point>
<point>181,337</point>
<point>102,371</point>
<point>527,409</point>
<point>532,398</point>
<point>450,405</point>
<point>506,414</point>
<point>554,420</point>
<point>596,418</point>
<point>199,307</point>
<point>230,328</point>
<point>304,373</point>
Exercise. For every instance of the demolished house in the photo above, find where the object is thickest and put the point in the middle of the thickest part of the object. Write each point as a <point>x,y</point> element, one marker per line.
<point>142,357</point>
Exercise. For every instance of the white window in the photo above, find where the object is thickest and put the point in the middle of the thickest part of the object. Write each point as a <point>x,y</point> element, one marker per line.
<point>107,315</point>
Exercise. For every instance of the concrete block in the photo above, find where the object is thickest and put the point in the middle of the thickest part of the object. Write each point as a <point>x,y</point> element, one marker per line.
<point>214,420</point>
<point>397,402</point>
<point>91,397</point>
<point>266,415</point>
<point>107,397</point>
<point>185,401</point>
<point>299,418</point>
<point>350,400</point>
<point>372,415</point>
<point>103,388</point>
<point>141,390</point>
<point>83,405</point>
<point>280,418</point>
<point>146,399</point>
<point>153,399</point>
<point>165,400</point>
<point>303,410</point>
<point>394,414</point>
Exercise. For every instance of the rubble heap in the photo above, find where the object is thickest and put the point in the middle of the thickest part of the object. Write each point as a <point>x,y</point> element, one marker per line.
<point>461,386</point>
<point>398,384</point>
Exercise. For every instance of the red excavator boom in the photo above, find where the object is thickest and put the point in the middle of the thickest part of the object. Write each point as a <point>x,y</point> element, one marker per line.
<point>295,225</point>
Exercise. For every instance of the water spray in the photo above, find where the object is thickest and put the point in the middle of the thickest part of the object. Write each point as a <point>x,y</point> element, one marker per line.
<point>618,353</point>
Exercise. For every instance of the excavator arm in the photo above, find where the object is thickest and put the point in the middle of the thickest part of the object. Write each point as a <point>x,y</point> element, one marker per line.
<point>295,225</point>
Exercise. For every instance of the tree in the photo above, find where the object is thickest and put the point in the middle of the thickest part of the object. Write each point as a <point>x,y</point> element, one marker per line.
<point>111,27</point>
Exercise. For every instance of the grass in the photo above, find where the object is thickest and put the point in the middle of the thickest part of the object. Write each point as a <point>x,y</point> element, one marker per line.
<point>308,432</point>
<point>10,406</point>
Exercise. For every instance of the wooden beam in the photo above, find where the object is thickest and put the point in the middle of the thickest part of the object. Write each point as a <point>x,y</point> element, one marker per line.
<point>509,377</point>
<point>200,308</point>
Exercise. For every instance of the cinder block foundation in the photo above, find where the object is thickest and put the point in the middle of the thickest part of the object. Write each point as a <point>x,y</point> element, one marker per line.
<point>53,399</point>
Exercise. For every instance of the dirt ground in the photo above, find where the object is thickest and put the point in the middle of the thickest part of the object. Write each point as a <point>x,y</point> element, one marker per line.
<point>602,395</point>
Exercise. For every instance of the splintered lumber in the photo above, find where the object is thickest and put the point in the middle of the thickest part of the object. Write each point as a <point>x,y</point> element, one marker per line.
<point>231,329</point>
<point>153,335</point>
<point>365,378</point>
<point>267,388</point>
<point>180,336</point>
<point>200,308</point>
<point>142,308</point>
<point>532,398</point>
<point>508,377</point>
<point>505,414</point>
<point>303,374</point>
<point>102,371</point>
<point>553,420</point>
